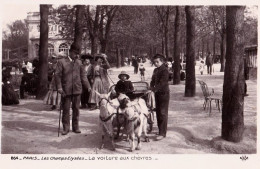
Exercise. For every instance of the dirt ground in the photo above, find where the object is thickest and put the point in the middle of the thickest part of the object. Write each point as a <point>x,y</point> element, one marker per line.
<point>31,127</point>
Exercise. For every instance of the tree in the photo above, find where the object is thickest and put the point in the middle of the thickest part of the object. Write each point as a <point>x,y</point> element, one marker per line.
<point>43,53</point>
<point>79,25</point>
<point>107,15</point>
<point>135,30</point>
<point>93,27</point>
<point>234,81</point>
<point>164,16</point>
<point>219,18</point>
<point>15,39</point>
<point>176,65</point>
<point>190,84</point>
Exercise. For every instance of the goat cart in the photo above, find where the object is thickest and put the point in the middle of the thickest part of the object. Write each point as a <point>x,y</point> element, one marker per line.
<point>141,90</point>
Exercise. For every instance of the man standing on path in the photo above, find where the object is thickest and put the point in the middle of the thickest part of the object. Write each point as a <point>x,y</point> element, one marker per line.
<point>70,77</point>
<point>209,63</point>
<point>159,85</point>
<point>135,64</point>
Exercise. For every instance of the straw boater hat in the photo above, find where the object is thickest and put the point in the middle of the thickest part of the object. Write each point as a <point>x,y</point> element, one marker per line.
<point>123,73</point>
<point>100,55</point>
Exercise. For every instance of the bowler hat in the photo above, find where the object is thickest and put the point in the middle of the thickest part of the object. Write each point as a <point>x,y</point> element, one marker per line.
<point>74,48</point>
<point>87,56</point>
<point>123,73</point>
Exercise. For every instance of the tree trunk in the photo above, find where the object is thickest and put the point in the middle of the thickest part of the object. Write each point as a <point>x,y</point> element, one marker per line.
<point>223,52</point>
<point>207,45</point>
<point>214,43</point>
<point>79,26</point>
<point>190,84</point>
<point>94,45</point>
<point>43,53</point>
<point>202,48</point>
<point>234,80</point>
<point>163,45</point>
<point>118,65</point>
<point>122,55</point>
<point>166,33</point>
<point>166,43</point>
<point>177,42</point>
<point>103,45</point>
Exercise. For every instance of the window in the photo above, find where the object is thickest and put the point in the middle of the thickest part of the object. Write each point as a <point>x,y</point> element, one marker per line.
<point>64,48</point>
<point>50,49</point>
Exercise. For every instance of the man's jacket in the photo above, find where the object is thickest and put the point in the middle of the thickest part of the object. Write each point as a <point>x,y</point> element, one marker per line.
<point>70,76</point>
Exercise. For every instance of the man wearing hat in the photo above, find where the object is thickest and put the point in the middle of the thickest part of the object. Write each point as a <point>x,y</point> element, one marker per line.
<point>86,61</point>
<point>124,85</point>
<point>70,77</point>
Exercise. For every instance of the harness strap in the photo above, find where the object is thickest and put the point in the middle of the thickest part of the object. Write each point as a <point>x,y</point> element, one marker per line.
<point>108,118</point>
<point>117,115</point>
<point>146,116</point>
<point>103,99</point>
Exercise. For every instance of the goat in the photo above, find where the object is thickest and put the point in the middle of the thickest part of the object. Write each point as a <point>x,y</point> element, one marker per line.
<point>136,120</point>
<point>110,118</point>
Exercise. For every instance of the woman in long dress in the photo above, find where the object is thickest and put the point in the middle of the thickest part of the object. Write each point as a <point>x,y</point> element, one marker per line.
<point>9,96</point>
<point>53,97</point>
<point>101,82</point>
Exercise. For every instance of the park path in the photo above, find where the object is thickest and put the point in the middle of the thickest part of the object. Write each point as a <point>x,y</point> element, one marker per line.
<point>31,128</point>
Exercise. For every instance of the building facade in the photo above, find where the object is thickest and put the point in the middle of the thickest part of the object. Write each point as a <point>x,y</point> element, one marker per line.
<point>56,43</point>
<point>251,54</point>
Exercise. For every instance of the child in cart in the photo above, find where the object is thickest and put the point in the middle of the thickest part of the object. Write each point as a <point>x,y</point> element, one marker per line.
<point>124,85</point>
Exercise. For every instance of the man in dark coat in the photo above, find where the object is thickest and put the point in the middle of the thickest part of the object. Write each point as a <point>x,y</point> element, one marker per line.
<point>135,64</point>
<point>159,85</point>
<point>209,63</point>
<point>70,76</point>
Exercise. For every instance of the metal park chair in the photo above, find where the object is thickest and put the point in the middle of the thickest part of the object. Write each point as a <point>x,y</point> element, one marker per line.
<point>208,96</point>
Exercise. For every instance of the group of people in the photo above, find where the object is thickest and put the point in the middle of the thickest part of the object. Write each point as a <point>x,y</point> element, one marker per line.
<point>75,80</point>
<point>96,74</point>
<point>78,81</point>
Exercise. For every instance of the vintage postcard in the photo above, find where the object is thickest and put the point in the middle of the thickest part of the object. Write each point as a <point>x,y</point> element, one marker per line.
<point>129,83</point>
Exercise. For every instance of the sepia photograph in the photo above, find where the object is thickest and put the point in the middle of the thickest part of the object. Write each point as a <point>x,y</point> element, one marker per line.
<point>129,79</point>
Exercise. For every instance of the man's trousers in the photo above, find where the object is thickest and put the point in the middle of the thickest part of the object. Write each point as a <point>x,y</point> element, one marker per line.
<point>67,100</point>
<point>162,104</point>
